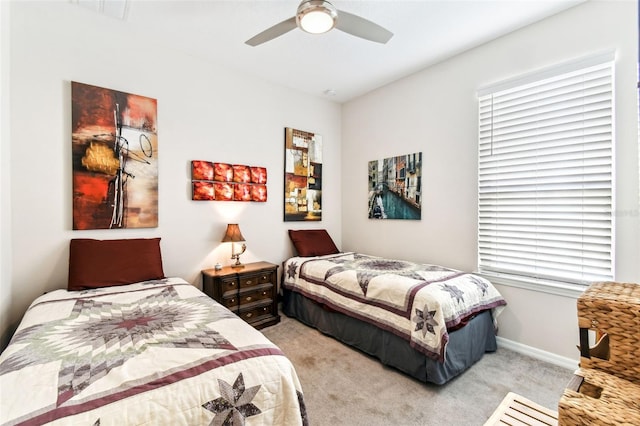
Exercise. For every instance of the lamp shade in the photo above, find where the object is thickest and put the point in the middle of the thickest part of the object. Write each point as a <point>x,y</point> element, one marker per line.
<point>233,234</point>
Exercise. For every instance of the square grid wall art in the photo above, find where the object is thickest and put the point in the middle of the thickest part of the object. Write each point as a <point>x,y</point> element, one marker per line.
<point>114,144</point>
<point>302,176</point>
<point>228,182</point>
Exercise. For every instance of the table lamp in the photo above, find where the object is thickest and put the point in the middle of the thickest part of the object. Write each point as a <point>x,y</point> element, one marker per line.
<point>233,235</point>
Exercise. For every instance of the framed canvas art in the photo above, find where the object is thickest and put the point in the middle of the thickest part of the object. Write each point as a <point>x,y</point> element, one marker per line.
<point>302,176</point>
<point>114,144</point>
<point>395,187</point>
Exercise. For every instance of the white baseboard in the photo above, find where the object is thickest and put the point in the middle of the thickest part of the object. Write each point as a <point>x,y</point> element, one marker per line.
<point>549,357</point>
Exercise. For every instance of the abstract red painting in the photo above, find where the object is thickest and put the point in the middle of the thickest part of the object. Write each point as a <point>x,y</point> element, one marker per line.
<point>114,145</point>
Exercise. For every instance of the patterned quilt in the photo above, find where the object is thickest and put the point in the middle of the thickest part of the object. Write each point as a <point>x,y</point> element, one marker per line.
<point>155,353</point>
<point>418,302</point>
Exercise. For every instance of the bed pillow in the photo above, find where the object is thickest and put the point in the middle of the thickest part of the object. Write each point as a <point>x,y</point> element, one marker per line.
<point>312,242</point>
<point>103,263</point>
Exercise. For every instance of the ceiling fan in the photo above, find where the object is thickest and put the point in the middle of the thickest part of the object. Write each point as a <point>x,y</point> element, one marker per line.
<point>320,16</point>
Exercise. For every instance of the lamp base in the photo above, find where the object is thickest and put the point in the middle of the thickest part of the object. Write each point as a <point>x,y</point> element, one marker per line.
<point>237,258</point>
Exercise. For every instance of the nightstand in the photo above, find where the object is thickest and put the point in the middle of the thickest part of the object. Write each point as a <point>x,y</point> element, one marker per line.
<point>249,292</point>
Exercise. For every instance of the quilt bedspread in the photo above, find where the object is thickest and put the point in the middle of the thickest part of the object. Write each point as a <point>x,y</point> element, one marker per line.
<point>157,352</point>
<point>418,302</point>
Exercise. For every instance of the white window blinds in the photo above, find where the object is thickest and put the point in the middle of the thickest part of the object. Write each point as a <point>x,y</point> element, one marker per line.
<point>545,177</point>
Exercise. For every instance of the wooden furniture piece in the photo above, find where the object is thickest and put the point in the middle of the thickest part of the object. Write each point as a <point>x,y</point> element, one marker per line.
<point>518,410</point>
<point>249,292</point>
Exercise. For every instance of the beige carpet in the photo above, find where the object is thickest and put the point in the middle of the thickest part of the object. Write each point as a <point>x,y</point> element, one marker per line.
<point>343,386</point>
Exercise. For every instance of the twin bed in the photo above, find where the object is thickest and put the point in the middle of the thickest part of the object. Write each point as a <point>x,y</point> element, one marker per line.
<point>123,344</point>
<point>428,321</point>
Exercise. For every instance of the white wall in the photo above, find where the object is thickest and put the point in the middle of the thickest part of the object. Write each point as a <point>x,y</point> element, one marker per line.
<point>5,189</point>
<point>205,112</point>
<point>435,111</point>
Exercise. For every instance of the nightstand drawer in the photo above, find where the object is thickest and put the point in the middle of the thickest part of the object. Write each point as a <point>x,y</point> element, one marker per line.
<point>229,285</point>
<point>256,279</point>
<point>230,303</point>
<point>256,313</point>
<point>256,294</point>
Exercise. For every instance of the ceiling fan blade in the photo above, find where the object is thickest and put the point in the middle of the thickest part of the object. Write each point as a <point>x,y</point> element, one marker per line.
<point>363,28</point>
<point>270,33</point>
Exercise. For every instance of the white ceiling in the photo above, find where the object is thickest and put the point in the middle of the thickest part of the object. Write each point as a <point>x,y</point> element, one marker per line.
<point>425,32</point>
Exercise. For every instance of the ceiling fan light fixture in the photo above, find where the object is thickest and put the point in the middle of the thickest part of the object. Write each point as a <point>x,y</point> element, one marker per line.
<point>320,16</point>
<point>316,16</point>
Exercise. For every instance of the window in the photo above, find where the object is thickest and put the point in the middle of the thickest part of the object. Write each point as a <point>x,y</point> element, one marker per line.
<point>545,175</point>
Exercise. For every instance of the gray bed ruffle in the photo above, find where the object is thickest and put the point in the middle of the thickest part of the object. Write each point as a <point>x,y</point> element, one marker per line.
<point>466,345</point>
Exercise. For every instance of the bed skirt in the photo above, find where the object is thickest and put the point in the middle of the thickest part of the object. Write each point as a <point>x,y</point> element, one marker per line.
<point>466,345</point>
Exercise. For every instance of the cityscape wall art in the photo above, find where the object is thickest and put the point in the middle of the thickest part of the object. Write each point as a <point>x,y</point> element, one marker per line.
<point>395,187</point>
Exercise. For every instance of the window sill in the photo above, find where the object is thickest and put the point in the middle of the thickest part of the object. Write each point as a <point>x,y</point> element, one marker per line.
<point>543,286</point>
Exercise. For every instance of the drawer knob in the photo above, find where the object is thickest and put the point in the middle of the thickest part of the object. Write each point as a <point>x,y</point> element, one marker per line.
<point>250,314</point>
<point>248,282</point>
<point>232,284</point>
<point>249,298</point>
<point>264,293</point>
<point>232,300</point>
<point>264,277</point>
